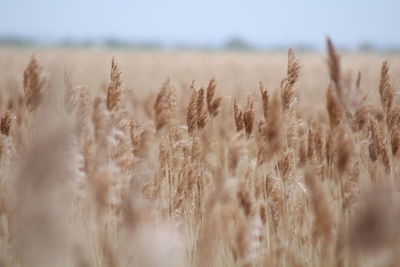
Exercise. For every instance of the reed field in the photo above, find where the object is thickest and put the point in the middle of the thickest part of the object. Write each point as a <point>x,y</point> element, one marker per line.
<point>156,158</point>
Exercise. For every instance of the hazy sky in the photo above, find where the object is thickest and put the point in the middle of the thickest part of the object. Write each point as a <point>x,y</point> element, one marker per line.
<point>207,21</point>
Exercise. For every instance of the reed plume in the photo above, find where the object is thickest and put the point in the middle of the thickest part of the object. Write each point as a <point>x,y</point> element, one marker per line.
<point>34,84</point>
<point>213,105</point>
<point>5,123</point>
<point>114,90</point>
<point>248,116</point>
<point>287,84</point>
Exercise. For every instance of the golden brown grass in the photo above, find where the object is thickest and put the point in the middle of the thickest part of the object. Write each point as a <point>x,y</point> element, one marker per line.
<point>301,171</point>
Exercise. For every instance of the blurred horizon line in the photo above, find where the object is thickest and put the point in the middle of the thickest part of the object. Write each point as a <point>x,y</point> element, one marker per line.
<point>235,43</point>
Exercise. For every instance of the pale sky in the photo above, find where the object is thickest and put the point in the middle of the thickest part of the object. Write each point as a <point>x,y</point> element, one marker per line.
<point>206,22</point>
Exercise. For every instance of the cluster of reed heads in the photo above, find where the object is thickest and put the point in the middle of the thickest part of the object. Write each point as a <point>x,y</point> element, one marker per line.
<point>202,180</point>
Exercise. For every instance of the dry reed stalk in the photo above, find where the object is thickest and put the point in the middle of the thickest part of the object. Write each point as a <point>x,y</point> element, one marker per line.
<point>274,195</point>
<point>76,100</point>
<point>101,120</point>
<point>393,117</point>
<point>350,188</point>
<point>248,116</point>
<point>386,90</point>
<point>135,137</point>
<point>238,116</point>
<point>395,139</point>
<point>275,120</point>
<point>335,109</point>
<point>358,80</point>
<point>323,214</point>
<point>263,213</point>
<point>165,105</point>
<point>200,110</point>
<point>213,105</point>
<point>362,107</point>
<point>71,93</point>
<point>287,84</point>
<point>235,152</point>
<point>191,114</point>
<point>245,201</point>
<point>242,244</point>
<point>285,165</point>
<point>344,150</point>
<point>88,150</point>
<point>265,101</point>
<point>83,107</point>
<point>311,138</point>
<point>302,152</point>
<point>34,83</point>
<point>114,90</point>
<point>334,68</point>
<point>5,123</point>
<point>101,183</point>
<point>196,115</point>
<point>361,115</point>
<point>379,144</point>
<point>272,131</point>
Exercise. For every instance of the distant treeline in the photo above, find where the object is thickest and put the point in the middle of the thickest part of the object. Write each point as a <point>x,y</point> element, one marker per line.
<point>233,44</point>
